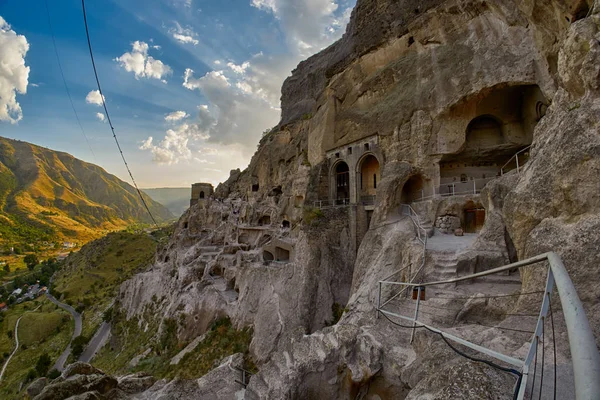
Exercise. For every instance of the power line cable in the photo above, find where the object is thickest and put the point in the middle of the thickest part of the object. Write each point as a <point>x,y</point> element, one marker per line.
<point>65,82</point>
<point>481,360</point>
<point>87,32</point>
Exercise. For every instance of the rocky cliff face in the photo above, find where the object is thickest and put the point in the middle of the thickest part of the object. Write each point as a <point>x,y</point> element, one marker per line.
<point>266,253</point>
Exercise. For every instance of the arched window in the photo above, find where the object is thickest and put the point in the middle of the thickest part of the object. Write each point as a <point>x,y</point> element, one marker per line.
<point>201,195</point>
<point>369,174</point>
<point>342,181</point>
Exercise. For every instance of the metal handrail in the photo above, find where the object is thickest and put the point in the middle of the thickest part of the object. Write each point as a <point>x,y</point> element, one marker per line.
<point>585,355</point>
<point>415,220</point>
<point>517,158</point>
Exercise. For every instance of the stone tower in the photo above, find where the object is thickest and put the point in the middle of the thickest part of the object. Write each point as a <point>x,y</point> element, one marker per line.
<point>200,192</point>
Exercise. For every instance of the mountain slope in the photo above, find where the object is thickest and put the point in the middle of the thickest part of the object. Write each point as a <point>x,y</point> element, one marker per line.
<point>46,194</point>
<point>177,200</point>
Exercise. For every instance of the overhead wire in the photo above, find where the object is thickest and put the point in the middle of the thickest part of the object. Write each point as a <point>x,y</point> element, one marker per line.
<point>87,32</point>
<point>62,74</point>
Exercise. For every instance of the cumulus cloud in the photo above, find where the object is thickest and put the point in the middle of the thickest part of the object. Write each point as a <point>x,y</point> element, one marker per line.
<point>100,117</point>
<point>242,99</point>
<point>309,25</point>
<point>176,116</point>
<point>143,65</point>
<point>174,146</point>
<point>14,75</point>
<point>183,35</point>
<point>94,97</point>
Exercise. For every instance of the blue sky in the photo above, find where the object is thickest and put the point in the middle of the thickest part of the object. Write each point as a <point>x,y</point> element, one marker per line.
<point>190,85</point>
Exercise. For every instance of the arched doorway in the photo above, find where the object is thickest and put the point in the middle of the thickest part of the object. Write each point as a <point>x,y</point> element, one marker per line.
<point>369,176</point>
<point>201,195</point>
<point>342,182</point>
<point>484,131</point>
<point>412,189</point>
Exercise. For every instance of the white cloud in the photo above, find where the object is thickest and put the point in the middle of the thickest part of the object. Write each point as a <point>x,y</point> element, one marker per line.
<point>176,116</point>
<point>94,97</point>
<point>174,146</point>
<point>242,99</point>
<point>14,75</point>
<point>183,35</point>
<point>100,117</point>
<point>238,69</point>
<point>141,64</point>
<point>35,85</point>
<point>310,25</point>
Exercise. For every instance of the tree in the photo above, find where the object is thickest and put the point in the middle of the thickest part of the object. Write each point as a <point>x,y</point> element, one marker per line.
<point>9,334</point>
<point>31,260</point>
<point>43,364</point>
<point>7,268</point>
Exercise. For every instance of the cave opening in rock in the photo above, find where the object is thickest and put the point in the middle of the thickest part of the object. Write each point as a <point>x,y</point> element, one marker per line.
<point>412,189</point>
<point>342,181</point>
<point>264,220</point>
<point>282,254</point>
<point>285,224</point>
<point>499,124</point>
<point>268,256</point>
<point>369,175</point>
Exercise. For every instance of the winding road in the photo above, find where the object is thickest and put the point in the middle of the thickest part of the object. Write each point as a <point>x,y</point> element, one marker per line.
<point>96,343</point>
<point>17,340</point>
<point>60,363</point>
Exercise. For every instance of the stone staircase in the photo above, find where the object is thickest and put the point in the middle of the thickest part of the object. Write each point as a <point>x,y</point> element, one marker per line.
<point>444,265</point>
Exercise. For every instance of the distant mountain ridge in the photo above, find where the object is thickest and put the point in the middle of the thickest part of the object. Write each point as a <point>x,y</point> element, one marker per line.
<point>47,194</point>
<point>177,200</point>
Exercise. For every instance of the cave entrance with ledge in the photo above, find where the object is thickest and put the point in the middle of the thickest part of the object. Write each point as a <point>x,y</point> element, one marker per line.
<point>497,125</point>
<point>342,182</point>
<point>369,177</point>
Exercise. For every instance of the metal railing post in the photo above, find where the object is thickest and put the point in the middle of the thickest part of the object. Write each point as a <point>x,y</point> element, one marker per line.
<point>378,300</point>
<point>584,352</point>
<point>412,335</point>
<point>453,189</point>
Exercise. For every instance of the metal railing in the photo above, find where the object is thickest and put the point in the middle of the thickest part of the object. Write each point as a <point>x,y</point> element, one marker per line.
<point>246,375</point>
<point>324,204</point>
<point>451,189</point>
<point>422,236</point>
<point>585,356</point>
<point>367,200</point>
<point>505,168</point>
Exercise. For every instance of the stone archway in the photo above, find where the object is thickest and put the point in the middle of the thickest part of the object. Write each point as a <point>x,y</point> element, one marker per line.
<point>369,177</point>
<point>341,175</point>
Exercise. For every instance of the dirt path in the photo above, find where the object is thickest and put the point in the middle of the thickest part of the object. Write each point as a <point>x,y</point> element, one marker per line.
<point>17,340</point>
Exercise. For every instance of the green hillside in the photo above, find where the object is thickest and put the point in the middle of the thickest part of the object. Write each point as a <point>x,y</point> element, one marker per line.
<point>177,200</point>
<point>47,195</point>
